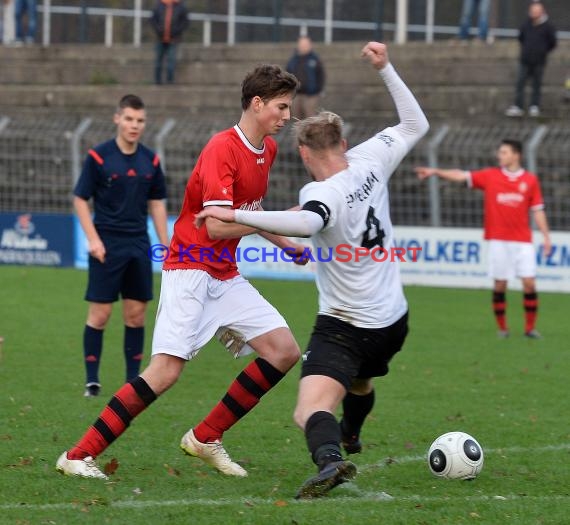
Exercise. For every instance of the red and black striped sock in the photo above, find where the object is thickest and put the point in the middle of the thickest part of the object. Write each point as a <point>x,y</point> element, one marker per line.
<point>530,304</point>
<point>127,403</point>
<point>244,393</point>
<point>500,309</point>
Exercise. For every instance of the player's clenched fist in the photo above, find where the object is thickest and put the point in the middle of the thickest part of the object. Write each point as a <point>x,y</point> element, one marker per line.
<point>376,53</point>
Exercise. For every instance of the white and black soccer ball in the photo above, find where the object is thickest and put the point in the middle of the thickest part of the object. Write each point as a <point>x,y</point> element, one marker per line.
<point>455,455</point>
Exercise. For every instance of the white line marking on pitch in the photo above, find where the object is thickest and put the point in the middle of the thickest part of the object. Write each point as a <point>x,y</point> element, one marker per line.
<point>356,494</point>
<point>350,488</point>
<point>501,451</point>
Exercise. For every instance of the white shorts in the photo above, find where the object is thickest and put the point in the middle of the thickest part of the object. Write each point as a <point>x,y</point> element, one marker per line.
<point>508,259</point>
<point>194,307</point>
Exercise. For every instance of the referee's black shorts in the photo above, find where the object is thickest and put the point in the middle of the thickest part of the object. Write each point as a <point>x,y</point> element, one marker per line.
<point>344,352</point>
<point>127,270</point>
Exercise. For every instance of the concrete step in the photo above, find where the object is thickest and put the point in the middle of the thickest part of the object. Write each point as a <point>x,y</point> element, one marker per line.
<point>445,102</point>
<point>438,64</point>
<point>482,72</point>
<point>451,80</point>
<point>267,52</point>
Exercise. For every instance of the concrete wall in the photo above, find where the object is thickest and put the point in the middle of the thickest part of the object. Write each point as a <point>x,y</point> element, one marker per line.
<point>451,81</point>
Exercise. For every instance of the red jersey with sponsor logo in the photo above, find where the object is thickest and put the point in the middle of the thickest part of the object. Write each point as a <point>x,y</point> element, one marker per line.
<point>230,172</point>
<point>509,196</point>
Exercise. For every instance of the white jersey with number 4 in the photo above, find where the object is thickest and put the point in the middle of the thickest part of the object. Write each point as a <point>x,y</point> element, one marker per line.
<point>364,292</point>
<point>347,215</point>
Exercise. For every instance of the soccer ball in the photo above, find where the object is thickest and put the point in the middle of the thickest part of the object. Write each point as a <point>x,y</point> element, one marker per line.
<point>455,455</point>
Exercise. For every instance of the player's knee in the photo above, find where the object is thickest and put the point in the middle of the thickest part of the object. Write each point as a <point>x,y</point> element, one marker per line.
<point>500,286</point>
<point>529,286</point>
<point>134,314</point>
<point>290,354</point>
<point>281,350</point>
<point>134,321</point>
<point>98,320</point>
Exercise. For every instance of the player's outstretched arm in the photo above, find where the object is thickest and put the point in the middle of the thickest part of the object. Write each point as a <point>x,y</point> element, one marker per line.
<point>454,175</point>
<point>413,122</point>
<point>216,212</point>
<point>220,223</point>
<point>270,225</point>
<point>301,223</point>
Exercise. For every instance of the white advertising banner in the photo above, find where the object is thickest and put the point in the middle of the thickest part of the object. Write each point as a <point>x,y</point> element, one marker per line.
<point>447,257</point>
<point>457,257</point>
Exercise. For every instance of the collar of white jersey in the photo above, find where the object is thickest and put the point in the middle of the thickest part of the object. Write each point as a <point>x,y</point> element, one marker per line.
<point>512,174</point>
<point>247,143</point>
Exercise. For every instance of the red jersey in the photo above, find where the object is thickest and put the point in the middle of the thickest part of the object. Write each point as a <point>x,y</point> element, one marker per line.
<point>230,172</point>
<point>509,196</point>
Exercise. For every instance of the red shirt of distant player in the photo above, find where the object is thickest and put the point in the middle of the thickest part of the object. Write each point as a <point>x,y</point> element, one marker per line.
<point>230,172</point>
<point>509,196</point>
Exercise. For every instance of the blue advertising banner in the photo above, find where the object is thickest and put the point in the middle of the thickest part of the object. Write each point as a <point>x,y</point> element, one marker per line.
<point>81,248</point>
<point>41,239</point>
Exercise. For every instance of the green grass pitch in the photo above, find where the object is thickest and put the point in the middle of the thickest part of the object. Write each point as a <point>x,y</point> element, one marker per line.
<point>453,374</point>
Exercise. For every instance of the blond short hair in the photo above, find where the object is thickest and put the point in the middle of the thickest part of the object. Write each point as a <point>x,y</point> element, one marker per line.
<point>320,132</point>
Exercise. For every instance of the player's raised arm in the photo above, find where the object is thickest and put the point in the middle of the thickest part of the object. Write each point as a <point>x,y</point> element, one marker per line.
<point>413,123</point>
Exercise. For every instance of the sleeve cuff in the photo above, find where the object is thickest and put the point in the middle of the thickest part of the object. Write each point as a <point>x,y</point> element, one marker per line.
<point>217,203</point>
<point>387,71</point>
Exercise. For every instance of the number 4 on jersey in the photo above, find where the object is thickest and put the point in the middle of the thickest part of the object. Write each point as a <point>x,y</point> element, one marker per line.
<point>374,234</point>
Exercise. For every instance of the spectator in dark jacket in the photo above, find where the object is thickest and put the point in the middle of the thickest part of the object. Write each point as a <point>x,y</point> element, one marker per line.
<point>537,37</point>
<point>306,65</point>
<point>169,20</point>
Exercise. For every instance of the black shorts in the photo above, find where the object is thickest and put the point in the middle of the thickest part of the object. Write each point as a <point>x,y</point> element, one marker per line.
<point>344,352</point>
<point>127,270</point>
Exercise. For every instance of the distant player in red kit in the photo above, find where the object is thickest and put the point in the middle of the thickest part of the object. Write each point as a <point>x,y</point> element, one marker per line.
<point>202,293</point>
<point>510,192</point>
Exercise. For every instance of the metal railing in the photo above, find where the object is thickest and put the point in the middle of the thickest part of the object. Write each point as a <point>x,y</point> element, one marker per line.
<point>41,158</point>
<point>399,27</point>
